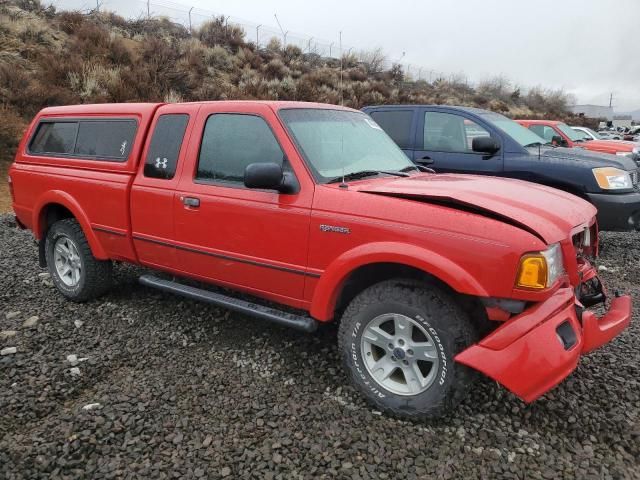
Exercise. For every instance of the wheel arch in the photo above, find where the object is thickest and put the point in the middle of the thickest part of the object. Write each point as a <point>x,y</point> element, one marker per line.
<point>363,266</point>
<point>56,205</point>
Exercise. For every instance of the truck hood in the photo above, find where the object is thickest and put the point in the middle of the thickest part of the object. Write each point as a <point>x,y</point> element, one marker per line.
<point>587,158</point>
<point>548,213</point>
<point>610,145</point>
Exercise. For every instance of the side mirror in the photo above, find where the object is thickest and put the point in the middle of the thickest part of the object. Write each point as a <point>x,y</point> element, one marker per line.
<point>558,141</point>
<point>486,145</point>
<point>269,176</point>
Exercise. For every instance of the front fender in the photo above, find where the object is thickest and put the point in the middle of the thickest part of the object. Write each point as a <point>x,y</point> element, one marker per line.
<point>63,198</point>
<point>332,280</point>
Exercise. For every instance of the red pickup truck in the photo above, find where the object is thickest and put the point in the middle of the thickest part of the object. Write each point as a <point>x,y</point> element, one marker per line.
<point>564,136</point>
<point>304,213</point>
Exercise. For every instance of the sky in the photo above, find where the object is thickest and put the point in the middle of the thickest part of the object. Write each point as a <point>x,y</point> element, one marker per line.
<point>589,48</point>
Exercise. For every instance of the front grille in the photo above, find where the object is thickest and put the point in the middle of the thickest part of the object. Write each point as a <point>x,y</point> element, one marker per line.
<point>634,178</point>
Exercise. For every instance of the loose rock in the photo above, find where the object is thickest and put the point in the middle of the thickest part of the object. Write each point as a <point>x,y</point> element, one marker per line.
<point>7,334</point>
<point>31,322</point>
<point>247,399</point>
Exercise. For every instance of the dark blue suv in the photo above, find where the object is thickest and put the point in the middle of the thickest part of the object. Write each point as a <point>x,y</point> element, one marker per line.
<point>471,140</point>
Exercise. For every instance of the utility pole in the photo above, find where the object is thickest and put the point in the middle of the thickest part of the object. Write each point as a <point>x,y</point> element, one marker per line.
<point>190,29</point>
<point>284,34</point>
<point>611,100</point>
<point>258,36</point>
<point>148,10</point>
<point>309,45</point>
<point>330,45</point>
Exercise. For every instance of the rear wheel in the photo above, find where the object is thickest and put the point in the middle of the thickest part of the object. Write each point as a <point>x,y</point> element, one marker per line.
<point>76,273</point>
<point>398,340</point>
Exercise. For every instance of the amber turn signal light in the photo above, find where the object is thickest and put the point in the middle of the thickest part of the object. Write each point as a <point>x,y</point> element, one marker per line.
<point>532,272</point>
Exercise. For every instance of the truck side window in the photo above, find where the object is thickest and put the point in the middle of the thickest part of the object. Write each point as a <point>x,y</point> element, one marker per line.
<point>164,149</point>
<point>230,142</point>
<point>107,139</point>
<point>54,137</point>
<point>397,124</point>
<point>543,131</point>
<point>447,132</point>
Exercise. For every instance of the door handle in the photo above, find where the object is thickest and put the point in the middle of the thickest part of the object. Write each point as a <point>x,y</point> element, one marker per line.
<point>426,160</point>
<point>191,202</point>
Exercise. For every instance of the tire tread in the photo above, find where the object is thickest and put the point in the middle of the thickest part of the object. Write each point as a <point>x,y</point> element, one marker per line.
<point>417,295</point>
<point>98,272</point>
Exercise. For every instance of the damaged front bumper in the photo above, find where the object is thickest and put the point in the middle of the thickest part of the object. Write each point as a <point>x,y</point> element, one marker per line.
<point>534,351</point>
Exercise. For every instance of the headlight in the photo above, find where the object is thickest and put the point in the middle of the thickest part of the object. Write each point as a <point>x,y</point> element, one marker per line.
<point>624,154</point>
<point>636,150</point>
<point>610,178</point>
<point>541,269</point>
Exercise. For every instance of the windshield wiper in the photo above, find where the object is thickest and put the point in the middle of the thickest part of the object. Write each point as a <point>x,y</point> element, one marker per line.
<point>419,168</point>
<point>366,173</point>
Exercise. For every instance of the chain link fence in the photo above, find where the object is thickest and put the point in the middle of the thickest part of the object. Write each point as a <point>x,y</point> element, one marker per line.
<point>259,34</point>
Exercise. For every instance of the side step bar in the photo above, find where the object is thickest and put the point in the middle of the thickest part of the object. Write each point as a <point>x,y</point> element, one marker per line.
<point>291,320</point>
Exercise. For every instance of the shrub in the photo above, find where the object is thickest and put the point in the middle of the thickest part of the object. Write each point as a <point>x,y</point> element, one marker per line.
<point>276,69</point>
<point>12,127</point>
<point>219,32</point>
<point>52,58</point>
<point>70,21</point>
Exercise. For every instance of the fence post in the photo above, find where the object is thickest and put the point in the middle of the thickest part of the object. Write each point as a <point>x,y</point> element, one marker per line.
<point>258,36</point>
<point>190,29</point>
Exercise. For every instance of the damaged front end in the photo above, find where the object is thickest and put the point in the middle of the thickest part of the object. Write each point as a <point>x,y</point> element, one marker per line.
<point>533,351</point>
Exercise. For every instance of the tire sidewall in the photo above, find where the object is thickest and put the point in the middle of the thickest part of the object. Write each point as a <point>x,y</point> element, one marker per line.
<point>55,233</point>
<point>435,395</point>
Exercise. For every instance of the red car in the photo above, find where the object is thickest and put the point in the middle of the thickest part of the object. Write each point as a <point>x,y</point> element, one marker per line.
<point>309,213</point>
<point>564,136</point>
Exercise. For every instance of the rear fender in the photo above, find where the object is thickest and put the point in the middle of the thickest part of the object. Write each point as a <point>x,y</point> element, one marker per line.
<point>67,201</point>
<point>331,282</point>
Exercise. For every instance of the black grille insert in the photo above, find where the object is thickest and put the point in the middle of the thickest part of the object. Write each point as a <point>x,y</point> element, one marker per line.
<point>566,335</point>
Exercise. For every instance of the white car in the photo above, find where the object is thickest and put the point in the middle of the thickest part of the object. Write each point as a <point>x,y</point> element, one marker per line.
<point>589,134</point>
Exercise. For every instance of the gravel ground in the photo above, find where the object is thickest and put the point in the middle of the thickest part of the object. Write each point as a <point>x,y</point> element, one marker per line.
<point>167,388</point>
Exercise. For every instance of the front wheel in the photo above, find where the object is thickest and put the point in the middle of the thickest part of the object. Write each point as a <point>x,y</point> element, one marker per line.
<point>76,273</point>
<point>398,339</point>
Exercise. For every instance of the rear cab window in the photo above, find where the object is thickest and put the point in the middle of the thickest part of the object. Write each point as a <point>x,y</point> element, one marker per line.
<point>164,149</point>
<point>397,124</point>
<point>92,139</point>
